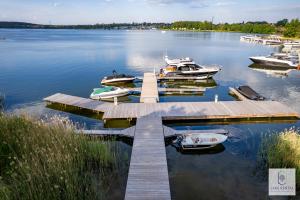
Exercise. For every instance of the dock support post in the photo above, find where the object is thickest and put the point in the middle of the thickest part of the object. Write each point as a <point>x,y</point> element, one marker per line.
<point>115,101</point>
<point>216,98</point>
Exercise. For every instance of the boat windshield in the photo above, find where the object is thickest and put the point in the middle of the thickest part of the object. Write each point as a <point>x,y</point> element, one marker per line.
<point>190,67</point>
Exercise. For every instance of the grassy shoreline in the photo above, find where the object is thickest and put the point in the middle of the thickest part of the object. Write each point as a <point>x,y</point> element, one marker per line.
<point>42,160</point>
<point>281,151</point>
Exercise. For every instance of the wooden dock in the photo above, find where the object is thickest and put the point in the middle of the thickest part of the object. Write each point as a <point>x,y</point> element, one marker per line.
<point>202,110</point>
<point>149,92</point>
<point>148,172</point>
<point>79,102</point>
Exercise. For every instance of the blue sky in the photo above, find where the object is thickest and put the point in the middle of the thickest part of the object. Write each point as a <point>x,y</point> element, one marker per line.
<point>108,11</point>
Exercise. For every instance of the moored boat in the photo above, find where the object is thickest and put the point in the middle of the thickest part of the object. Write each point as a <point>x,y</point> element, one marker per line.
<point>277,60</point>
<point>186,67</point>
<point>200,140</point>
<point>249,93</point>
<point>117,78</point>
<point>107,92</point>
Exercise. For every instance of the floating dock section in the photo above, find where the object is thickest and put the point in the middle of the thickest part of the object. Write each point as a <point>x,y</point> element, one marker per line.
<point>79,102</point>
<point>202,110</point>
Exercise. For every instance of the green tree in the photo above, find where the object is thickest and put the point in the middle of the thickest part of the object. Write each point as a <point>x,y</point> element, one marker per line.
<point>292,29</point>
<point>282,22</point>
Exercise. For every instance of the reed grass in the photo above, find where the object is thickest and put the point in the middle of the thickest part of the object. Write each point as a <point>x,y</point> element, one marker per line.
<point>41,160</point>
<point>281,151</point>
<point>2,98</point>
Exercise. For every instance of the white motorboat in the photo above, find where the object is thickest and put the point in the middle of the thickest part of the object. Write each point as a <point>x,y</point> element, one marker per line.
<point>186,67</point>
<point>107,92</point>
<point>279,60</point>
<point>251,38</point>
<point>292,45</point>
<point>117,78</point>
<point>200,140</point>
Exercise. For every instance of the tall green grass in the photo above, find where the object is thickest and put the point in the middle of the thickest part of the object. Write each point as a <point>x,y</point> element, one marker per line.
<point>2,97</point>
<point>49,161</point>
<point>281,151</point>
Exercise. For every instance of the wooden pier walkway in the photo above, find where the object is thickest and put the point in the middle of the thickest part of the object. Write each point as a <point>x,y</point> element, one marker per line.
<point>148,172</point>
<point>149,92</point>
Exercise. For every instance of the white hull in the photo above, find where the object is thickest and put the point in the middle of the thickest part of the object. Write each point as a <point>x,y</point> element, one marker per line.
<point>186,67</point>
<point>273,61</point>
<point>117,80</point>
<point>108,95</point>
<point>202,140</point>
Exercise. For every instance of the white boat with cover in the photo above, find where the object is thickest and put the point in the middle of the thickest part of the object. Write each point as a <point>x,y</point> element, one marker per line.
<point>200,140</point>
<point>108,92</point>
<point>186,67</point>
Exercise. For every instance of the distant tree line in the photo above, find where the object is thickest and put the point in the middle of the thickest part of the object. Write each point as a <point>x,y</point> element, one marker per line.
<point>284,26</point>
<point>288,29</point>
<point>144,25</point>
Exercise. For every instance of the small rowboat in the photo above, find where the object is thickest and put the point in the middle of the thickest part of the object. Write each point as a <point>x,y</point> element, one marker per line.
<point>200,140</point>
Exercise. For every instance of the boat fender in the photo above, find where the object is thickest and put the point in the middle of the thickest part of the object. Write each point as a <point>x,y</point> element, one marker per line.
<point>298,67</point>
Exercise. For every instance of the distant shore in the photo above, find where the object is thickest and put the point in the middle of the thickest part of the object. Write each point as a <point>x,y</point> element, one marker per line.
<point>289,30</point>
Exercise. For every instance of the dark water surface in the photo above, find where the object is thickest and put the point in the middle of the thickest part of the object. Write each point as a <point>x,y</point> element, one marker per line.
<point>38,63</point>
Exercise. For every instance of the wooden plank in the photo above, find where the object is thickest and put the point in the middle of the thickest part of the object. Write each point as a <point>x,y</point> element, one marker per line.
<point>148,172</point>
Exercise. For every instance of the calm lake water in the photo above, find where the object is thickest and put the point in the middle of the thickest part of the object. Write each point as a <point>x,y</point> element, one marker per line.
<point>37,63</point>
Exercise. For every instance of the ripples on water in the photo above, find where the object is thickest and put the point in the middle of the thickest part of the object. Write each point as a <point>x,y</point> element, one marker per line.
<point>37,63</point>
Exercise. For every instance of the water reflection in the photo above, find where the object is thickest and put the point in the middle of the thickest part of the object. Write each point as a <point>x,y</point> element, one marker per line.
<point>223,174</point>
<point>213,150</point>
<point>209,83</point>
<point>276,72</point>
